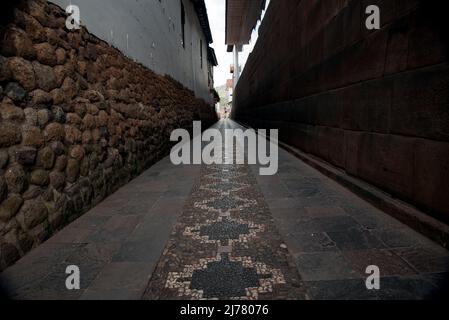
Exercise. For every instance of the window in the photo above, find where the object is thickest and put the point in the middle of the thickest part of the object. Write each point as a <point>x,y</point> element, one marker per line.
<point>183,23</point>
<point>201,52</point>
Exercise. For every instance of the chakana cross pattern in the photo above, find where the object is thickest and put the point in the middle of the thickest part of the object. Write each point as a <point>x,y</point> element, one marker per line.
<point>224,230</point>
<point>225,279</point>
<point>225,202</point>
<point>224,185</point>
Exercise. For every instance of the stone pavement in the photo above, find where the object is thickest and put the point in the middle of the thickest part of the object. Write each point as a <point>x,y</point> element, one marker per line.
<point>225,244</point>
<point>220,232</point>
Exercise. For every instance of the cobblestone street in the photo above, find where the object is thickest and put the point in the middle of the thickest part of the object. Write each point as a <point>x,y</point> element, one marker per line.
<point>224,150</point>
<point>225,232</point>
<point>225,244</point>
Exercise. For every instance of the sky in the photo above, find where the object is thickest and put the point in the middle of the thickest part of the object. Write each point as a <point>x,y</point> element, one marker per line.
<point>216,10</point>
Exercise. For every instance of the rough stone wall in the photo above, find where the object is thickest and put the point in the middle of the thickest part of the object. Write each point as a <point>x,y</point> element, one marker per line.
<point>77,120</point>
<point>373,103</point>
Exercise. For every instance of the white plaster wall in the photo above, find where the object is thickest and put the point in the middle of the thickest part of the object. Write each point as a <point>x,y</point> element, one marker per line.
<point>149,31</point>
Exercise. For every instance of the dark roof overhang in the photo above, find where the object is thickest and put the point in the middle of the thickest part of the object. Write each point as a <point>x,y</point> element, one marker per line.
<point>201,11</point>
<point>241,19</point>
<point>211,56</point>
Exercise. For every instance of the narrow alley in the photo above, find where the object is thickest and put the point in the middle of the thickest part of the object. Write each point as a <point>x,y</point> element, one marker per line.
<point>224,232</point>
<point>118,181</point>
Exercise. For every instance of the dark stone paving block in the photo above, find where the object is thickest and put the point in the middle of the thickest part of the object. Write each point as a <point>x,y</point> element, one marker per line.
<point>335,224</point>
<point>290,215</point>
<point>306,192</point>
<point>308,187</point>
<point>177,192</point>
<point>116,229</point>
<point>285,203</point>
<point>138,208</point>
<point>355,207</point>
<point>396,238</point>
<point>330,224</point>
<point>151,173</point>
<point>304,225</point>
<point>377,220</point>
<point>355,239</point>
<point>155,186</point>
<point>153,227</point>
<point>90,221</point>
<point>325,211</point>
<point>287,171</point>
<point>142,205</point>
<point>179,188</point>
<point>165,206</point>
<point>160,220</point>
<point>425,259</point>
<point>111,294</point>
<point>324,266</point>
<point>116,200</point>
<point>72,235</point>
<point>389,263</point>
<point>273,191</point>
<point>102,210</point>
<point>141,251</point>
<point>351,289</point>
<point>406,288</point>
<point>130,193</point>
<point>300,183</point>
<point>310,242</point>
<point>124,279</point>
<point>316,200</point>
